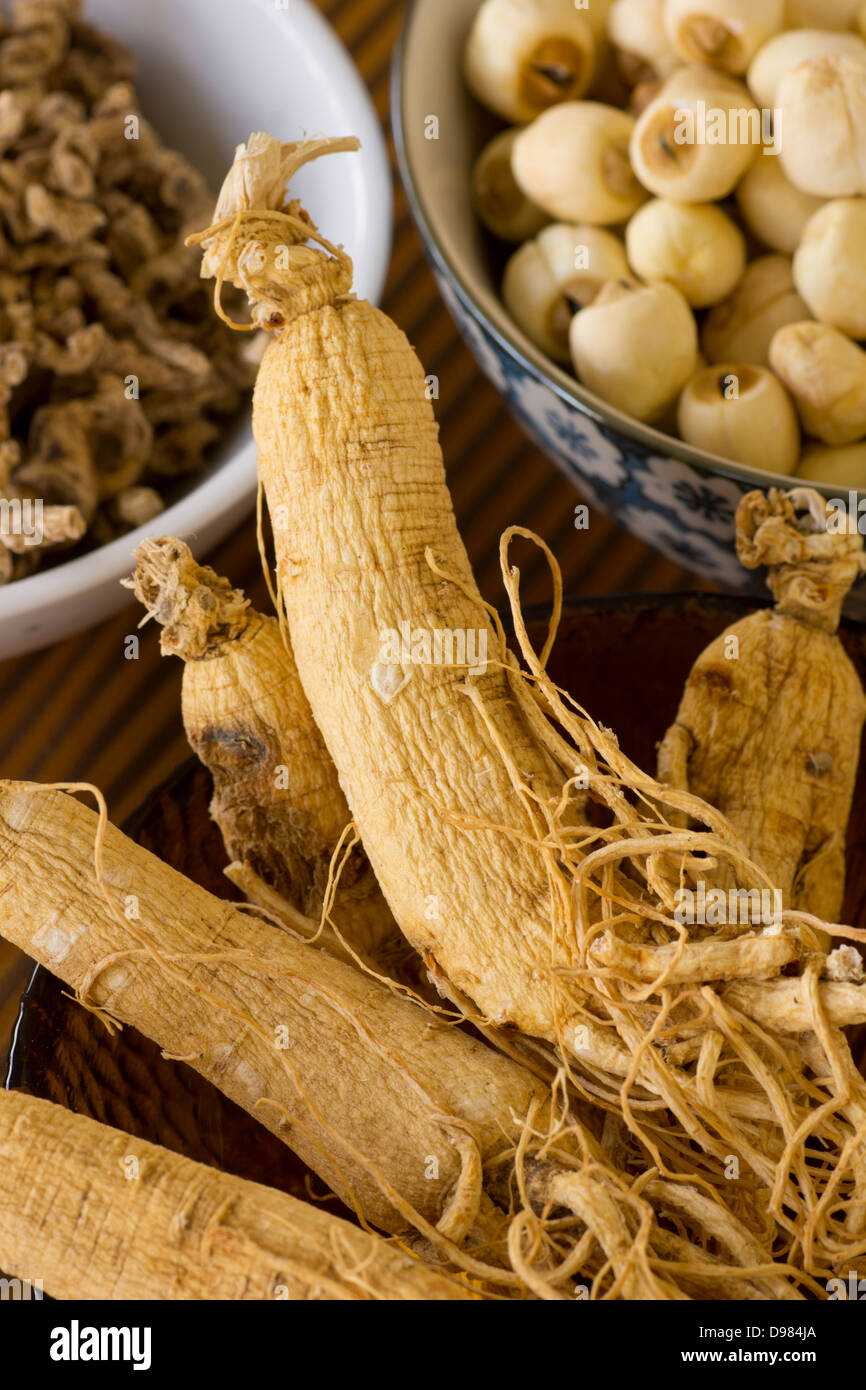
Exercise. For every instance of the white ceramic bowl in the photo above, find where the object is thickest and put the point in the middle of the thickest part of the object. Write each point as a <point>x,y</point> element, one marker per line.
<point>208,75</point>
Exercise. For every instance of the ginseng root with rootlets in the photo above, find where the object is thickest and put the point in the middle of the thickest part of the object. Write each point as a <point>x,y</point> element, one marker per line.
<point>529,861</point>
<point>425,1131</point>
<point>770,721</point>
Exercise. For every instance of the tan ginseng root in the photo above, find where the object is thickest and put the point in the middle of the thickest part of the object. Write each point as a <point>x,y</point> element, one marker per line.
<point>461,780</point>
<point>768,729</point>
<point>276,799</point>
<point>96,1214</point>
<point>417,1125</point>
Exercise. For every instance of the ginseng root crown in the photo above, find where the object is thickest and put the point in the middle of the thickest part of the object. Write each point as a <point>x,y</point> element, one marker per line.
<point>257,238</point>
<point>199,611</point>
<point>811,566</point>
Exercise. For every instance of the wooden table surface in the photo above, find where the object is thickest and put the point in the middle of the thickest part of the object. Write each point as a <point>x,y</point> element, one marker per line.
<point>80,711</point>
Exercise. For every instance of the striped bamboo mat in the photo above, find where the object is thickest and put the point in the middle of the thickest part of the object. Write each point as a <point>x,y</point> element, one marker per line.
<point>81,712</point>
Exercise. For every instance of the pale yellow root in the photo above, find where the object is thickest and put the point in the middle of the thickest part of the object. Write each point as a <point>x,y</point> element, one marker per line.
<point>769,726</point>
<point>96,1214</point>
<point>277,799</point>
<point>396,1111</point>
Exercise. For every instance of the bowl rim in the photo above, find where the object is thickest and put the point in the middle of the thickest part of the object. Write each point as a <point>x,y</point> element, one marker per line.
<point>227,488</point>
<point>512,341</point>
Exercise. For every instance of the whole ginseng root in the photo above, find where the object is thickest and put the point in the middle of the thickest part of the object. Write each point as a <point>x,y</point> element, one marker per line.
<point>277,798</point>
<point>768,729</point>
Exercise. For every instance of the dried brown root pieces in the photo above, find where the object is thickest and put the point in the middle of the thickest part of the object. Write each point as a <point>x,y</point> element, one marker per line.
<point>27,525</point>
<point>114,371</point>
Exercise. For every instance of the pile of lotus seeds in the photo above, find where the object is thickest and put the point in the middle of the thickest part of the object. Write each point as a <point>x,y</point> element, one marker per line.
<point>686,180</point>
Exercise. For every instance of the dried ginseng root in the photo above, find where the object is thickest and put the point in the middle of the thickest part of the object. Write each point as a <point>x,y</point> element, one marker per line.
<point>347,446</point>
<point>96,1214</point>
<point>768,729</point>
<point>277,799</point>
<point>468,780</point>
<point>425,1131</point>
<point>330,1060</point>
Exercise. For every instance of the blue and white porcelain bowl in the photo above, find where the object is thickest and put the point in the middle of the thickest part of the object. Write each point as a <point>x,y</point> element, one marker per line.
<point>678,499</point>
